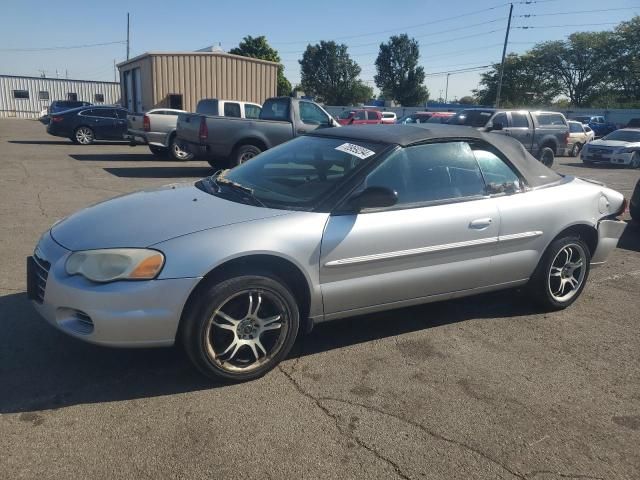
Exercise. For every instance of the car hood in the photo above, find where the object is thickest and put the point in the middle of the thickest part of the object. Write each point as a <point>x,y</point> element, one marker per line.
<point>148,217</point>
<point>613,143</point>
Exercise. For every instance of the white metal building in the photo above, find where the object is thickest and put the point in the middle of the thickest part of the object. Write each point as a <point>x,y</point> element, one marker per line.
<point>25,97</point>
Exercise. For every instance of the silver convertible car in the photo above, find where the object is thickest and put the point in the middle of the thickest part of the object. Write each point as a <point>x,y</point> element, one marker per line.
<point>329,225</point>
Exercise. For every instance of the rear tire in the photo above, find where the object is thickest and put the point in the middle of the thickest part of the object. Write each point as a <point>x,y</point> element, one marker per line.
<point>546,156</point>
<point>635,160</point>
<point>241,328</point>
<point>561,273</point>
<point>575,150</point>
<point>244,153</point>
<point>84,135</point>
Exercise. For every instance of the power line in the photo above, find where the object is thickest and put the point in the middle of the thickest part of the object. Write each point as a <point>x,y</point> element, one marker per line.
<point>408,27</point>
<point>68,47</point>
<point>529,27</point>
<point>575,12</point>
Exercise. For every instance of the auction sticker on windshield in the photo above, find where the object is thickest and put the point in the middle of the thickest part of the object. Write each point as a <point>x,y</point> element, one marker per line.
<point>356,150</point>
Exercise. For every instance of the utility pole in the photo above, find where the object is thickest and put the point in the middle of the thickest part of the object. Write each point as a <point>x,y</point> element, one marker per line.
<point>115,70</point>
<point>128,33</point>
<point>66,73</point>
<point>504,53</point>
<point>446,91</point>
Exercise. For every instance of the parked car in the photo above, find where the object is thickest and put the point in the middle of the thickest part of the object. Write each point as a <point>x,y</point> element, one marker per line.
<point>59,106</point>
<point>440,117</point>
<point>579,135</point>
<point>633,123</point>
<point>597,123</point>
<point>232,141</point>
<point>621,147</point>
<point>329,225</point>
<point>544,134</point>
<point>360,116</point>
<point>389,118</point>
<point>634,203</point>
<point>84,125</point>
<point>416,117</point>
<point>157,128</point>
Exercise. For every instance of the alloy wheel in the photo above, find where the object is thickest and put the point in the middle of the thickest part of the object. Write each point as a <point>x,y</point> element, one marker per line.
<point>246,157</point>
<point>567,272</point>
<point>246,330</point>
<point>84,135</point>
<point>178,152</point>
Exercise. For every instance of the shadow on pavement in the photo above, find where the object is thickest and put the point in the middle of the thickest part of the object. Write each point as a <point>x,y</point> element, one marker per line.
<point>630,239</point>
<point>113,157</point>
<point>160,172</point>
<point>42,368</point>
<point>62,142</point>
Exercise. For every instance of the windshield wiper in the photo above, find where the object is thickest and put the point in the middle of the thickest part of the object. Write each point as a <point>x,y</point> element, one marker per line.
<point>219,180</point>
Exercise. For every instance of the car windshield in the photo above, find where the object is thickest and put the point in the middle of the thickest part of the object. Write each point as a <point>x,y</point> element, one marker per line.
<point>471,118</point>
<point>346,114</point>
<point>582,119</point>
<point>298,174</point>
<point>623,136</point>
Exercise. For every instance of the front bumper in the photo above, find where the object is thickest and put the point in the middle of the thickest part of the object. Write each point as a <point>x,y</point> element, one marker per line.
<point>609,232</point>
<point>118,314</point>
<point>621,158</point>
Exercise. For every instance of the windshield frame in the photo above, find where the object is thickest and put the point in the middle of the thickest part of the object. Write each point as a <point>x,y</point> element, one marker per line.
<point>325,201</point>
<point>628,132</point>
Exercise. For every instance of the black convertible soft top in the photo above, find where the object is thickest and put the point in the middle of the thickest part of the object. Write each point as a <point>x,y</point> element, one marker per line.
<point>534,172</point>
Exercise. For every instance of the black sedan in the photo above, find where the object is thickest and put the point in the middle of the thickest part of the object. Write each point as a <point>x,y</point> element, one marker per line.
<point>634,203</point>
<point>84,125</point>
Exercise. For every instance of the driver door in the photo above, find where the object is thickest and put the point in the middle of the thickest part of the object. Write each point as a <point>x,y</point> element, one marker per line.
<point>437,239</point>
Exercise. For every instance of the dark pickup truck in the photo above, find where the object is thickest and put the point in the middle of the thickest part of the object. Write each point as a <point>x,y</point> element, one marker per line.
<point>543,134</point>
<point>224,141</point>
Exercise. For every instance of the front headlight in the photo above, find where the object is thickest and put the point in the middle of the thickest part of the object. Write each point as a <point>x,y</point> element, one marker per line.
<point>109,265</point>
<point>625,150</point>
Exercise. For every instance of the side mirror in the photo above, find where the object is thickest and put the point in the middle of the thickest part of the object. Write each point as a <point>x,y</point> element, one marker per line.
<point>496,126</point>
<point>373,197</point>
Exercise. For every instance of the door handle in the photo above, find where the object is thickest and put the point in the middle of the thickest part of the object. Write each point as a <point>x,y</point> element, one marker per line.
<point>480,223</point>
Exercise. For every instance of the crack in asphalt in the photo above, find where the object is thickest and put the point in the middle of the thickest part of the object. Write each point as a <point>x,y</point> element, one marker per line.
<point>40,205</point>
<point>336,420</point>
<point>563,475</point>
<point>428,432</point>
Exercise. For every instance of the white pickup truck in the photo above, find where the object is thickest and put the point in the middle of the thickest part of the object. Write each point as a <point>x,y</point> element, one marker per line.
<point>157,127</point>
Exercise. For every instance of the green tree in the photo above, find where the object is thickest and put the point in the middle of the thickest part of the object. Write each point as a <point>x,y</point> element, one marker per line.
<point>625,68</point>
<point>524,83</point>
<point>467,100</point>
<point>258,47</point>
<point>328,73</point>
<point>581,64</point>
<point>399,76</point>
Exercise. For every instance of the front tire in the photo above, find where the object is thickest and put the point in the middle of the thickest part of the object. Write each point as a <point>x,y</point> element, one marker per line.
<point>244,153</point>
<point>561,274</point>
<point>546,156</point>
<point>84,136</point>
<point>179,152</point>
<point>635,160</point>
<point>241,328</point>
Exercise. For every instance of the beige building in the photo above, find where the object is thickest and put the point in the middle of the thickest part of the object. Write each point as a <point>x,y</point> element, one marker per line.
<point>181,79</point>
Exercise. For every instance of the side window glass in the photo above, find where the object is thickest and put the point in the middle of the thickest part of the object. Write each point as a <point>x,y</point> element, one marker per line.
<point>432,172</point>
<point>360,115</point>
<point>123,114</point>
<point>519,120</point>
<point>500,178</point>
<point>312,115</point>
<point>232,110</point>
<point>372,115</point>
<point>500,118</point>
<point>251,111</point>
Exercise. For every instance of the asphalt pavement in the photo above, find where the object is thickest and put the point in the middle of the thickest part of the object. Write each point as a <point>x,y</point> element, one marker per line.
<point>480,388</point>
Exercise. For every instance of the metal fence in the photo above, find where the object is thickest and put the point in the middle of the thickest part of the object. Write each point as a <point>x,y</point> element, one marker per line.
<point>25,97</point>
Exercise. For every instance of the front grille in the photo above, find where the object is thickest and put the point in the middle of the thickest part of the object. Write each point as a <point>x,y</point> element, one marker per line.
<point>41,273</point>
<point>600,150</point>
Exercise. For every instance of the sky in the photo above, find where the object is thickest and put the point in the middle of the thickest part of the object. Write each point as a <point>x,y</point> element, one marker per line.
<point>453,34</point>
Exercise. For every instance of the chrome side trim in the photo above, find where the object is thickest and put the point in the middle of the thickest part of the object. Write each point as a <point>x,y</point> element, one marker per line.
<point>411,252</point>
<point>431,249</point>
<point>520,236</point>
